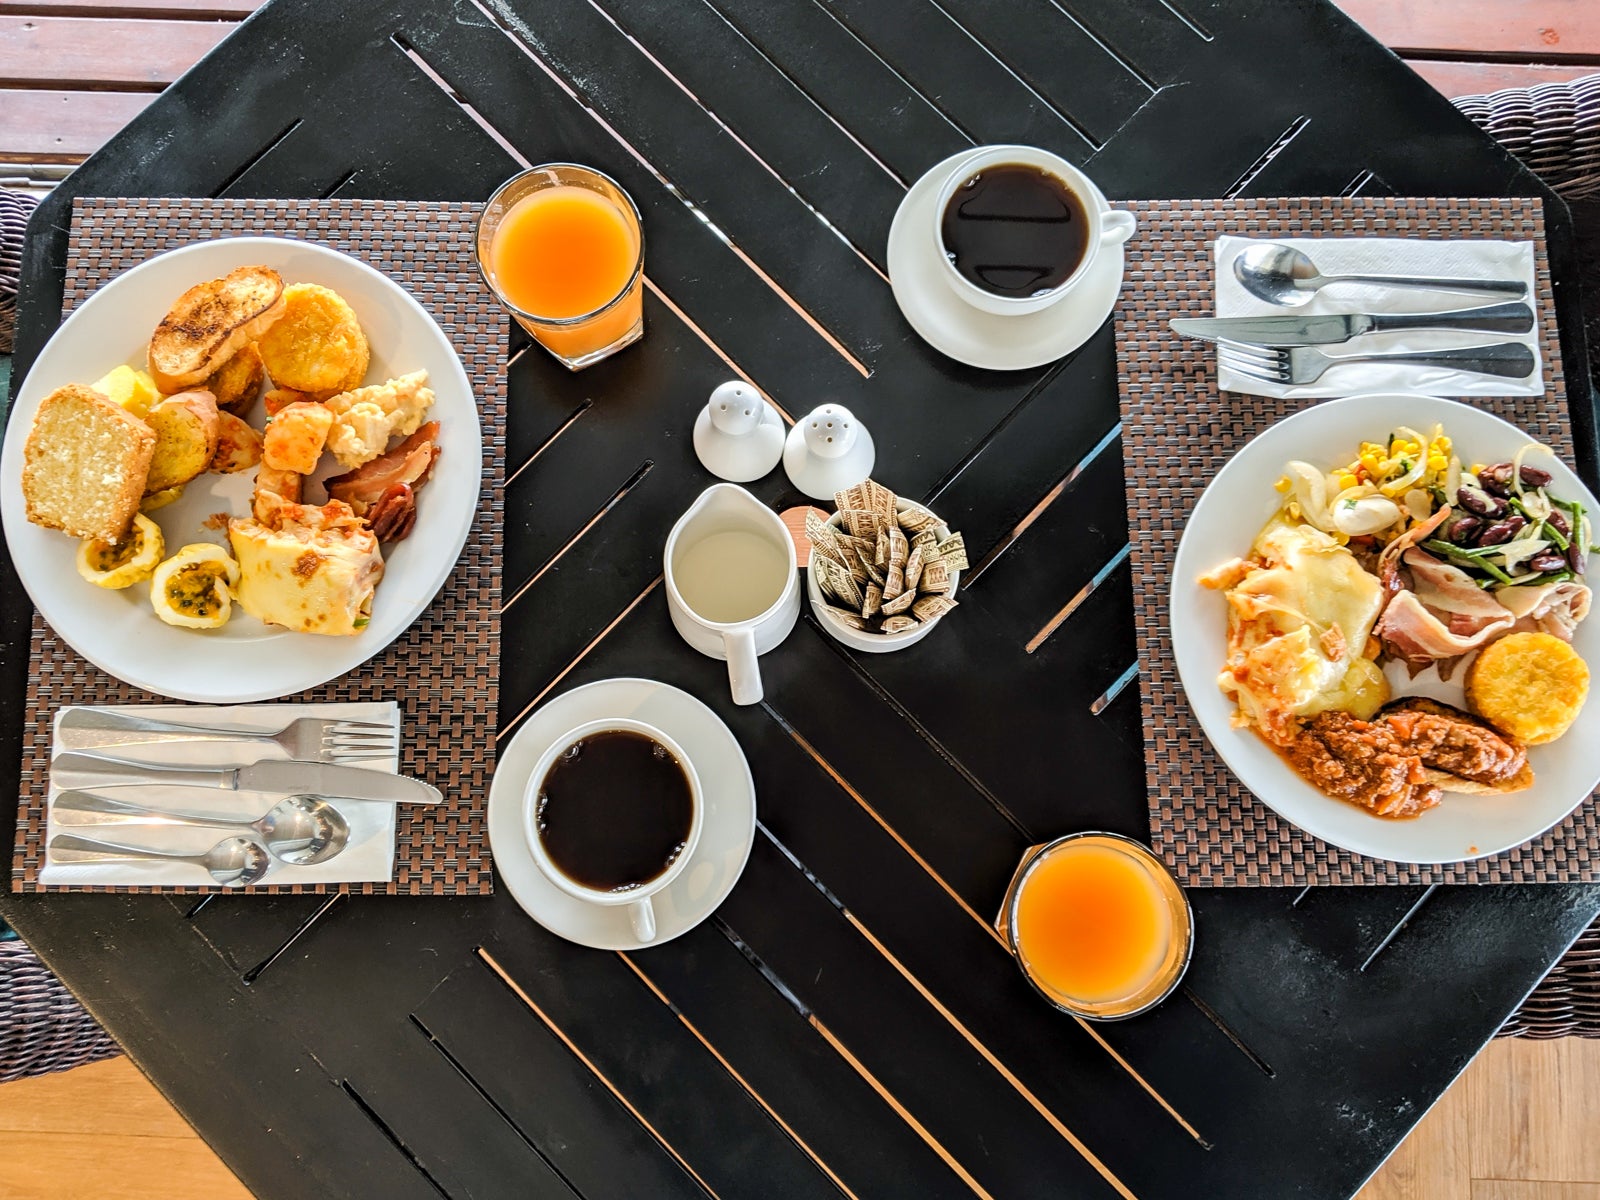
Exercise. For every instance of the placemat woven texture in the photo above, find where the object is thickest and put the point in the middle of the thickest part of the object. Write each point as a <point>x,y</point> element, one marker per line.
<point>1178,431</point>
<point>444,670</point>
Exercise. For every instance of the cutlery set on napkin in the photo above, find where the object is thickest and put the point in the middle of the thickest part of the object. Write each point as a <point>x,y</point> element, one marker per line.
<point>1318,317</point>
<point>171,795</point>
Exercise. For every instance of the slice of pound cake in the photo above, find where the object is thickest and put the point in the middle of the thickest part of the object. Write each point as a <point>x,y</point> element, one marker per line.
<point>85,464</point>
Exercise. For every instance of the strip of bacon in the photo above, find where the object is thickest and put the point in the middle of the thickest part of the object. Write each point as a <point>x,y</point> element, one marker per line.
<point>410,463</point>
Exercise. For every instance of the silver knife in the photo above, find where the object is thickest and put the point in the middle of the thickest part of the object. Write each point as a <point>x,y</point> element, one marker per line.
<point>285,777</point>
<point>1321,331</point>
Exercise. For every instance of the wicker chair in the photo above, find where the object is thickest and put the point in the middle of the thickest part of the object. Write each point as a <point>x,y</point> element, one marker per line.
<point>42,1028</point>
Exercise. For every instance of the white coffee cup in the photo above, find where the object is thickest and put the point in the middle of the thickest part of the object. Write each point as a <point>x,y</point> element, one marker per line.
<point>732,586</point>
<point>640,910</point>
<point>1109,227</point>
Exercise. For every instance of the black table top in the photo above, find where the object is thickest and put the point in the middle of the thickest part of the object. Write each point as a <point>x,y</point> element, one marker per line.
<point>844,1023</point>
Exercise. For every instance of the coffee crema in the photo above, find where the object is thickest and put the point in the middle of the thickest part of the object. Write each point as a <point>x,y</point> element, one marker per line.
<point>614,810</point>
<point>1015,230</point>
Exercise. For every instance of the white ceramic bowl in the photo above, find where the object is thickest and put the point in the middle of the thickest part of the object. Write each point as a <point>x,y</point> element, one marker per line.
<point>875,643</point>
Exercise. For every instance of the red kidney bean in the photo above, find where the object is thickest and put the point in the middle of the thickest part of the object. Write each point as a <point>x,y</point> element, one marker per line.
<point>1576,555</point>
<point>1479,502</point>
<point>1533,477</point>
<point>1464,530</point>
<point>1496,479</point>
<point>1558,521</point>
<point>1550,560</point>
<point>1501,531</point>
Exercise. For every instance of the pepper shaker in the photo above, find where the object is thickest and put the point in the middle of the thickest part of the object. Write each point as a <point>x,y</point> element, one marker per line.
<point>738,435</point>
<point>828,451</point>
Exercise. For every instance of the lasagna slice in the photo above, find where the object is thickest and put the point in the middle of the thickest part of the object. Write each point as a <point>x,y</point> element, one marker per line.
<point>309,569</point>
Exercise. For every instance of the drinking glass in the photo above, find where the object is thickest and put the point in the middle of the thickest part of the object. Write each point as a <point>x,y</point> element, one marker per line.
<point>1161,921</point>
<point>586,337</point>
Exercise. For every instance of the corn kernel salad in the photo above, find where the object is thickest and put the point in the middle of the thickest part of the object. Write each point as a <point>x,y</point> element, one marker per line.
<point>1504,528</point>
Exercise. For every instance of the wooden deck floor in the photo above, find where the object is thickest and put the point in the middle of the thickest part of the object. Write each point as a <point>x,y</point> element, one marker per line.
<point>1519,1125</point>
<point>73,72</point>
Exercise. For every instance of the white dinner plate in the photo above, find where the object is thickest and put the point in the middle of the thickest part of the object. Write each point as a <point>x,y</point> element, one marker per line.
<point>725,839</point>
<point>967,334</point>
<point>245,660</point>
<point>1232,511</point>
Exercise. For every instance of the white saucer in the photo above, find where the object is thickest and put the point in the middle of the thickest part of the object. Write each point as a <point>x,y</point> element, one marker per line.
<point>952,326</point>
<point>730,823</point>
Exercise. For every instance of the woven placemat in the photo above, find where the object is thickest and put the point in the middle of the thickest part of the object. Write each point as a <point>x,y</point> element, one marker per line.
<point>444,670</point>
<point>1178,430</point>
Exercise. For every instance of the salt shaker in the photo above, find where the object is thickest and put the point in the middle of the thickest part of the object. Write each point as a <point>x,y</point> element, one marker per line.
<point>828,451</point>
<point>738,436</point>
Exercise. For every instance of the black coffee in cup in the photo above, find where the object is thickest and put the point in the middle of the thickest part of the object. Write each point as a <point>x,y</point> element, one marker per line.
<point>1015,230</point>
<point>615,810</point>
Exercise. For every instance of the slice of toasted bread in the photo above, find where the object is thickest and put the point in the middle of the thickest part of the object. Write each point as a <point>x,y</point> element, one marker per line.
<point>212,322</point>
<point>187,427</point>
<point>1519,782</point>
<point>85,464</point>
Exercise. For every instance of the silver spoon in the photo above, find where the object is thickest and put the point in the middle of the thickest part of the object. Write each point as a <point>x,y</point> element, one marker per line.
<point>232,862</point>
<point>300,830</point>
<point>1284,275</point>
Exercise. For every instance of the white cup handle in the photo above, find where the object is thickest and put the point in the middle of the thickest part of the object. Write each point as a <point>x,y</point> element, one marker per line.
<point>1116,226</point>
<point>744,676</point>
<point>643,915</point>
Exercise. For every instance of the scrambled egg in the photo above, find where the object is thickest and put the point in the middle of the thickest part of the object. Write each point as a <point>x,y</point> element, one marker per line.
<point>365,419</point>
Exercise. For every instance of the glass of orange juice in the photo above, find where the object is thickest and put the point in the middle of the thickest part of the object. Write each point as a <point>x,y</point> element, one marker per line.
<point>562,246</point>
<point>1098,925</point>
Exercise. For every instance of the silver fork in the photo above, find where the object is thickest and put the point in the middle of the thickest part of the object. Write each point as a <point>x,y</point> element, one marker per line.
<point>1302,364</point>
<point>314,739</point>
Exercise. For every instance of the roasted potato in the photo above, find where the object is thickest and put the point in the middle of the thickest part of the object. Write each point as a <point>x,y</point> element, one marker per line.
<point>272,488</point>
<point>187,427</point>
<point>277,399</point>
<point>238,446</point>
<point>212,322</point>
<point>295,437</point>
<point>317,346</point>
<point>237,382</point>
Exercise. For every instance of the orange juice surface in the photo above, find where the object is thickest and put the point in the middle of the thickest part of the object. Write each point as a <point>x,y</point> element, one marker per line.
<point>1092,924</point>
<point>562,252</point>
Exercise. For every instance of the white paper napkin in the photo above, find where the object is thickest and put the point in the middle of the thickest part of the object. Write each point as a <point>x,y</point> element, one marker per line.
<point>369,856</point>
<point>1390,256</point>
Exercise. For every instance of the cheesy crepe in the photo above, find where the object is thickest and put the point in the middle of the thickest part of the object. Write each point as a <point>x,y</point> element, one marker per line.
<point>1300,613</point>
<point>308,569</point>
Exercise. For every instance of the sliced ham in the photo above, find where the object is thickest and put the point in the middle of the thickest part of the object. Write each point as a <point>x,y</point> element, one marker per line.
<point>1553,608</point>
<point>1389,560</point>
<point>408,463</point>
<point>1442,616</point>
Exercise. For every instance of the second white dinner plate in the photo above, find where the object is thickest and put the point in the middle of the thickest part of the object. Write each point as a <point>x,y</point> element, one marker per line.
<point>245,660</point>
<point>1225,521</point>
